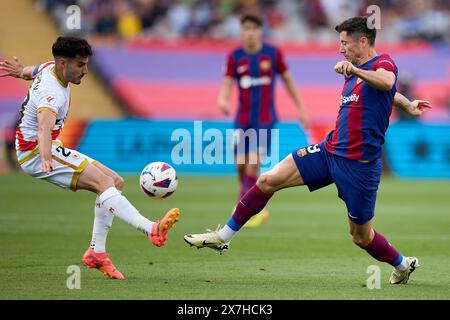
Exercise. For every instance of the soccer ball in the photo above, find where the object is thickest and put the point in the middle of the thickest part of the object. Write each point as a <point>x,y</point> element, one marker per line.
<point>158,180</point>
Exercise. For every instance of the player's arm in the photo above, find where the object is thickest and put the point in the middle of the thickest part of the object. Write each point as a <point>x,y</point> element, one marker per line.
<point>415,107</point>
<point>16,69</point>
<point>380,79</point>
<point>46,121</point>
<point>225,94</point>
<point>295,96</point>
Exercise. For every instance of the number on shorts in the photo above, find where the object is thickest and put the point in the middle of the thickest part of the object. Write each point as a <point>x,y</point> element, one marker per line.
<point>313,148</point>
<point>63,151</point>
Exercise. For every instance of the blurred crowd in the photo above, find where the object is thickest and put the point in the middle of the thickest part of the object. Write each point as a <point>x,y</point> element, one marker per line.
<point>286,20</point>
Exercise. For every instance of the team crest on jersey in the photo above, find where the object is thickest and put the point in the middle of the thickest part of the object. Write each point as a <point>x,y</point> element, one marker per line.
<point>358,80</point>
<point>265,65</point>
<point>302,152</point>
<point>50,99</point>
<point>75,156</point>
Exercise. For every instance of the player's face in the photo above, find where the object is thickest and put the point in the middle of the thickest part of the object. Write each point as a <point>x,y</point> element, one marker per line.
<point>76,69</point>
<point>350,47</point>
<point>251,34</point>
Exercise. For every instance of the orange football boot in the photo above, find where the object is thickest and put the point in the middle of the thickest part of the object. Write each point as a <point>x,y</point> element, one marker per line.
<point>101,262</point>
<point>158,236</point>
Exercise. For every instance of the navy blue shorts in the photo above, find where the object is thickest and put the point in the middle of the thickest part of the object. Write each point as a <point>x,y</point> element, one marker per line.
<point>356,182</point>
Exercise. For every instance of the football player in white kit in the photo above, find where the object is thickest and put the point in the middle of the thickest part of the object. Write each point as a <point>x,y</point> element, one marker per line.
<point>43,156</point>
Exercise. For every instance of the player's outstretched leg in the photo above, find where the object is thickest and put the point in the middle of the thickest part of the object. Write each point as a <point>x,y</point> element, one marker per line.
<point>115,203</point>
<point>97,256</point>
<point>156,231</point>
<point>379,248</point>
<point>250,176</point>
<point>283,175</point>
<point>257,219</point>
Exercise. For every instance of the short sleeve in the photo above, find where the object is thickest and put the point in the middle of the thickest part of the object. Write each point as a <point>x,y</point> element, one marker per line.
<point>50,102</point>
<point>386,63</point>
<point>230,70</point>
<point>41,67</point>
<point>281,64</point>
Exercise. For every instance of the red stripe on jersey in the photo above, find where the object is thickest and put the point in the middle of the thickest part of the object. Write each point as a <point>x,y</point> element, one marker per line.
<point>354,124</point>
<point>55,133</point>
<point>265,110</point>
<point>25,145</point>
<point>245,94</point>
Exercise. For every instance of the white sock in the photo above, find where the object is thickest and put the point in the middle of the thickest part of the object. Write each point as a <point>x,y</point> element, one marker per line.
<point>118,205</point>
<point>226,233</point>
<point>102,223</point>
<point>403,265</point>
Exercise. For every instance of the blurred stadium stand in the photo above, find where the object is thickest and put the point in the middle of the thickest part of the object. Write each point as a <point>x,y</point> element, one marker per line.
<point>163,59</point>
<point>286,20</point>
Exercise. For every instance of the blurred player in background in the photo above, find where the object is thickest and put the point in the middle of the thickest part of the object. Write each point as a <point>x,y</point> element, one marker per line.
<point>42,155</point>
<point>350,156</point>
<point>254,66</point>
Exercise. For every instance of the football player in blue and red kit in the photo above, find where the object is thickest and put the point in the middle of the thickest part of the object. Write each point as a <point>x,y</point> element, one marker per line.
<point>350,156</point>
<point>254,67</point>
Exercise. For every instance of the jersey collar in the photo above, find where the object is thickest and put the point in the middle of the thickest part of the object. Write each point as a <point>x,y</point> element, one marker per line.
<point>52,71</point>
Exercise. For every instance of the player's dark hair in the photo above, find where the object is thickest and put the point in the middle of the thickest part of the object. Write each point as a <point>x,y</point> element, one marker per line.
<point>357,26</point>
<point>251,17</point>
<point>70,47</point>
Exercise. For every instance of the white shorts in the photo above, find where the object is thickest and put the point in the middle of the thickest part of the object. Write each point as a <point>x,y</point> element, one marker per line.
<point>68,165</point>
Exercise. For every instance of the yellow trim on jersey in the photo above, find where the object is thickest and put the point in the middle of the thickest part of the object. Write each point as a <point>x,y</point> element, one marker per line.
<point>35,152</point>
<point>76,174</point>
<point>40,109</point>
<point>52,72</point>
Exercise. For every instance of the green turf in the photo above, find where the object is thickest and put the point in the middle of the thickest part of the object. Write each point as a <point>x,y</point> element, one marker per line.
<point>304,251</point>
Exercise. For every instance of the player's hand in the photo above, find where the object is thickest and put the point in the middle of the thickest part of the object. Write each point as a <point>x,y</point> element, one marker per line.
<point>47,165</point>
<point>345,67</point>
<point>224,108</point>
<point>418,107</point>
<point>12,68</point>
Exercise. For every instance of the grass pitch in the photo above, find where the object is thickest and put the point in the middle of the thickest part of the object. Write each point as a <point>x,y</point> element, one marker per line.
<point>303,251</point>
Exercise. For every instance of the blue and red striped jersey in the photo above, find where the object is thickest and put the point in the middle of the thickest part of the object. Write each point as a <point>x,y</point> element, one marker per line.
<point>363,116</point>
<point>255,75</point>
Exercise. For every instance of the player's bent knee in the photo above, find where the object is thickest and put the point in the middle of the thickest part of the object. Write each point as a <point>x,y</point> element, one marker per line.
<point>361,241</point>
<point>105,183</point>
<point>119,182</point>
<point>267,184</point>
<point>94,179</point>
